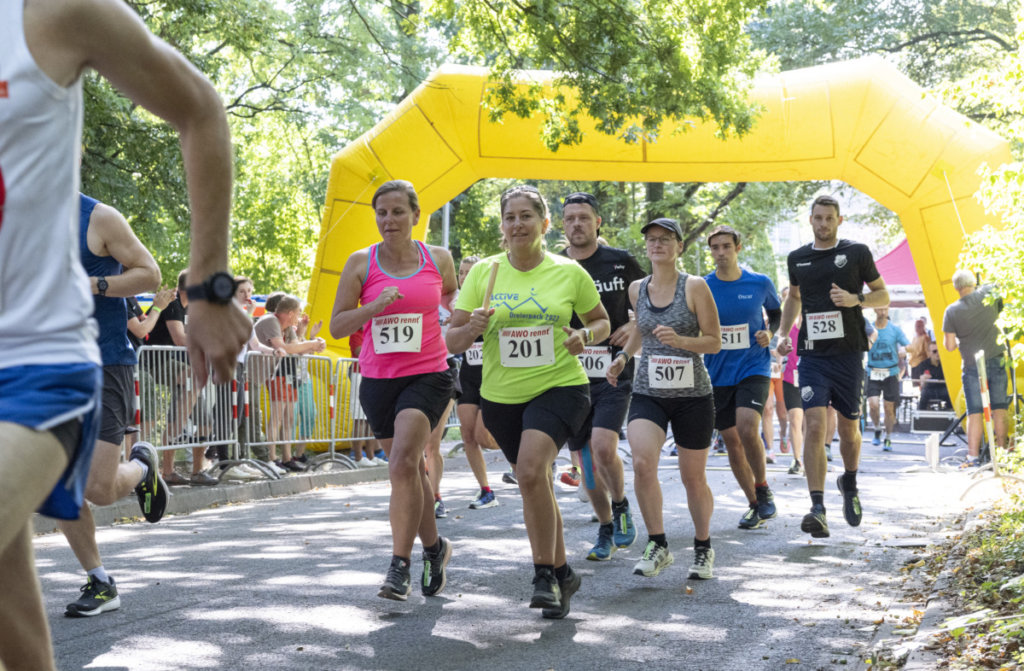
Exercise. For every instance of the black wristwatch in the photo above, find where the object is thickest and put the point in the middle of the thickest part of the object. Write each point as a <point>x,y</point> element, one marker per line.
<point>102,286</point>
<point>860,298</point>
<point>218,288</point>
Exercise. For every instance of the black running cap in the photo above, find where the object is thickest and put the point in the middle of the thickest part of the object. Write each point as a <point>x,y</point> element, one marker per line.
<point>667,224</point>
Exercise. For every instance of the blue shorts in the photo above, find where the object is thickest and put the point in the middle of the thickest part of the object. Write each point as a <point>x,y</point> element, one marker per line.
<point>44,398</point>
<point>835,379</point>
<point>995,370</point>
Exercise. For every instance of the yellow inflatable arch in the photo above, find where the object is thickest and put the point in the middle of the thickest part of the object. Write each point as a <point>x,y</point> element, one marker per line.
<point>860,121</point>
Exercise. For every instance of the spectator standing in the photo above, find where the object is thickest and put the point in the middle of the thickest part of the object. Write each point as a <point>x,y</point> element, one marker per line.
<point>969,324</point>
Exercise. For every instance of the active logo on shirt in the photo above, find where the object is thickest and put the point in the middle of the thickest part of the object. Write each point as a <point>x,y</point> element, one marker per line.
<point>840,260</point>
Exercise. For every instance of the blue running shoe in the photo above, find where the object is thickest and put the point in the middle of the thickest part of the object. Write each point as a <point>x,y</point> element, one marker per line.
<point>485,500</point>
<point>604,548</point>
<point>625,530</point>
<point>765,503</point>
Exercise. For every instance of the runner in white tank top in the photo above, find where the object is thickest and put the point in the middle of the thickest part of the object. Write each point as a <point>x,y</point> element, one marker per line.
<point>49,372</point>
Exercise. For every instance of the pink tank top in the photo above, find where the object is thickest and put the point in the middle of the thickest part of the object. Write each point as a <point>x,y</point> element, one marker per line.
<point>406,338</point>
<point>791,359</point>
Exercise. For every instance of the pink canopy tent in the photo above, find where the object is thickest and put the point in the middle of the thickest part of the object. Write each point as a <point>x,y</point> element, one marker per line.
<point>900,275</point>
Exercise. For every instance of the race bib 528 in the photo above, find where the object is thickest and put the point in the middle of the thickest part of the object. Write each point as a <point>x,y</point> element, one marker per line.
<point>825,325</point>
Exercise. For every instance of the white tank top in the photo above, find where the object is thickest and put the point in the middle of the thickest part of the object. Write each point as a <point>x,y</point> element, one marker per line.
<point>45,300</point>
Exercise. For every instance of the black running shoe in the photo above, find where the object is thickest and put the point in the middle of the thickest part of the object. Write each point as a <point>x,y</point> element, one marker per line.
<point>509,477</point>
<point>851,503</point>
<point>97,597</point>
<point>568,587</point>
<point>765,503</point>
<point>546,593</point>
<point>434,575</point>
<point>152,491</point>
<point>814,523</point>
<point>397,584</point>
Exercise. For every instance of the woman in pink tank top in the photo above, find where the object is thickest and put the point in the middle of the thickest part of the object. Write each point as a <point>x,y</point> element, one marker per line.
<point>391,291</point>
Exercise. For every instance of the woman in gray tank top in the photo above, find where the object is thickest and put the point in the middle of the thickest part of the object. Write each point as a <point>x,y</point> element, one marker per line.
<point>677,322</point>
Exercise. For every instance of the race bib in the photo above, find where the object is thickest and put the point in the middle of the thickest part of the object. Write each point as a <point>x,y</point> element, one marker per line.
<point>527,347</point>
<point>825,325</point>
<point>596,361</point>
<point>397,333</point>
<point>670,372</point>
<point>879,373</point>
<point>736,336</point>
<point>475,354</point>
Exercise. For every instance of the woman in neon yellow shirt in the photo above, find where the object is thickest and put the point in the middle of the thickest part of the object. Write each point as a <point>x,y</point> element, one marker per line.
<point>535,393</point>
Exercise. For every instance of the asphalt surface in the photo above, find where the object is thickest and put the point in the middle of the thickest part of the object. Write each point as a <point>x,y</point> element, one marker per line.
<point>291,582</point>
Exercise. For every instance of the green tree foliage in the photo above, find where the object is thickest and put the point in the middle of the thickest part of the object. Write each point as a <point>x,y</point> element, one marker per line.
<point>634,64</point>
<point>996,254</point>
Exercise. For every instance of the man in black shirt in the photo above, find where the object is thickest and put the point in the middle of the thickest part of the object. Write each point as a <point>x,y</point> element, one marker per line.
<point>612,270</point>
<point>827,279</point>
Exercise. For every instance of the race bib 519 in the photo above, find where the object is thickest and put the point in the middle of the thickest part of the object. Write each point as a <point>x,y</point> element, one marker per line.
<point>397,333</point>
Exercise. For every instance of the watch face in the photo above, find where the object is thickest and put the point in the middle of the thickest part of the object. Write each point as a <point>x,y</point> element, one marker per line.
<point>222,286</point>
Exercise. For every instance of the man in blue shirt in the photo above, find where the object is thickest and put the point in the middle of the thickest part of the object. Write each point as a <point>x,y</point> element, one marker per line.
<point>740,371</point>
<point>882,375</point>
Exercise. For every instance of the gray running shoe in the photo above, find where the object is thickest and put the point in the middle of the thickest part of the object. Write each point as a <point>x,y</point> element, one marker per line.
<point>397,584</point>
<point>567,587</point>
<point>750,519</point>
<point>655,559</point>
<point>703,561</point>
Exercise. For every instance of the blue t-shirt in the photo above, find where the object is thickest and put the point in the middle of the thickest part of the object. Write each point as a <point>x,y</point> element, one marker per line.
<point>741,303</point>
<point>885,353</point>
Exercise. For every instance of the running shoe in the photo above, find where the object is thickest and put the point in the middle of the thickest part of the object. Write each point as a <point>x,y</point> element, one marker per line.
<point>604,548</point>
<point>703,561</point>
<point>97,597</point>
<point>674,452</point>
<point>203,479</point>
<point>275,468</point>
<point>236,474</point>
<point>367,462</point>
<point>571,477</point>
<point>877,440</point>
<point>851,503</point>
<point>546,592</point>
<point>485,500</point>
<point>974,462</point>
<point>397,584</point>
<point>828,453</point>
<point>887,445</point>
<point>765,503</point>
<point>381,456</point>
<point>434,575</point>
<point>814,523</point>
<point>439,510</point>
<point>769,457</point>
<point>720,446</point>
<point>784,445</point>
<point>509,477</point>
<point>795,468</point>
<point>656,557</point>
<point>567,587</point>
<point>152,491</point>
<point>750,519</point>
<point>625,530</point>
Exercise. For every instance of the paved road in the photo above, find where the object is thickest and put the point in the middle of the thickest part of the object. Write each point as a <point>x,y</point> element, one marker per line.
<point>290,583</point>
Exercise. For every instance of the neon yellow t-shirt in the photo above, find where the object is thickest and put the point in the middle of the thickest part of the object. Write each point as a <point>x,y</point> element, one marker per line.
<point>524,355</point>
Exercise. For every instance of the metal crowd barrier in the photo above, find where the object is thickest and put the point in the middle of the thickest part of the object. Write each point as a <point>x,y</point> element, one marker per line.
<point>170,409</point>
<point>351,426</point>
<point>290,403</point>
